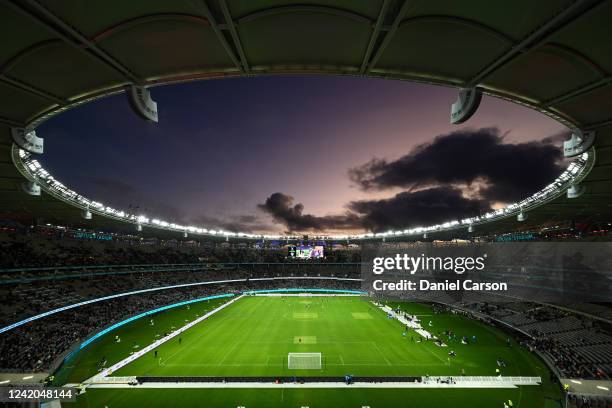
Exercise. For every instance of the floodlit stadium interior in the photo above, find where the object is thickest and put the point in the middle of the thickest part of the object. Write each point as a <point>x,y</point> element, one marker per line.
<point>132,309</point>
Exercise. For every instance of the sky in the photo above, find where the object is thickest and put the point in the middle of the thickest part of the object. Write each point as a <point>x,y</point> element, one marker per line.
<point>303,154</point>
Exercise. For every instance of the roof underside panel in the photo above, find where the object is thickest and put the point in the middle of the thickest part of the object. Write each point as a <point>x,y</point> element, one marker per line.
<point>92,18</point>
<point>441,47</point>
<point>168,46</point>
<point>57,74</point>
<point>554,55</point>
<point>515,21</point>
<point>545,73</point>
<point>325,40</point>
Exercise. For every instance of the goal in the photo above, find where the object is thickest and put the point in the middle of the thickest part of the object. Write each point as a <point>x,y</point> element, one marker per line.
<point>304,361</point>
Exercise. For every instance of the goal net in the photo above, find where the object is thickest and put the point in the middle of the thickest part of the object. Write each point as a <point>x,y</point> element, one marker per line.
<point>304,361</point>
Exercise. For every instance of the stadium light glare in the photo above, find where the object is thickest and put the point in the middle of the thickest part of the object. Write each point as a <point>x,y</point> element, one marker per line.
<point>33,170</point>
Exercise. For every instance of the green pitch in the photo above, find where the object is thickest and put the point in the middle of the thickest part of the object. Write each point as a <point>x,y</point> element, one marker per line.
<point>253,336</point>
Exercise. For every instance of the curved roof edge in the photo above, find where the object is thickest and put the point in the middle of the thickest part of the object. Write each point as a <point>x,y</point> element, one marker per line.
<point>31,169</point>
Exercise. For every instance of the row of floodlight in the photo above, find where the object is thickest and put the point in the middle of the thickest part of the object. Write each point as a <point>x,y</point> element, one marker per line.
<point>42,177</point>
<point>565,179</point>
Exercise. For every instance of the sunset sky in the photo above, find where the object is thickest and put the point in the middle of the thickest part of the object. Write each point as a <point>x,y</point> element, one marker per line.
<point>245,153</point>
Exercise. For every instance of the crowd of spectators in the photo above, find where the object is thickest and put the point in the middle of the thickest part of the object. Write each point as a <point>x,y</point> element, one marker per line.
<point>36,248</point>
<point>42,269</point>
<point>37,346</point>
<point>578,346</point>
<point>24,298</point>
<point>588,401</point>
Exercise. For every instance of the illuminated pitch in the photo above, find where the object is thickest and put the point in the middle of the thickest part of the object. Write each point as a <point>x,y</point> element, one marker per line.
<point>253,336</point>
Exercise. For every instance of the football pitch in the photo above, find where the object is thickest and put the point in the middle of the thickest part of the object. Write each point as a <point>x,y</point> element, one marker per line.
<point>253,337</point>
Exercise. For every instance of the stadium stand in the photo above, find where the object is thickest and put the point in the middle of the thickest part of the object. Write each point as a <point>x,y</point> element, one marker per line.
<point>41,247</point>
<point>42,343</point>
<point>583,401</point>
<point>102,55</point>
<point>44,268</point>
<point>579,346</point>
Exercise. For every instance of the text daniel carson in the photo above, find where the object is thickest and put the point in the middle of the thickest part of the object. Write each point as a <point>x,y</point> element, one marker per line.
<point>446,285</point>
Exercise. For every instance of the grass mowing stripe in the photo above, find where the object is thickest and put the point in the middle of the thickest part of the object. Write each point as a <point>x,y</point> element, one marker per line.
<point>381,353</point>
<point>253,337</point>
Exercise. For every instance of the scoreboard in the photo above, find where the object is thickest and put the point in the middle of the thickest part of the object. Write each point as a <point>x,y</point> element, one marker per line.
<point>306,251</point>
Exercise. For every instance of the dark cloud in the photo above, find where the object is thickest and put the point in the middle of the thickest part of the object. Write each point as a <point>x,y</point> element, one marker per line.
<point>283,210</point>
<point>418,208</point>
<point>511,171</point>
<point>406,209</point>
<point>434,176</point>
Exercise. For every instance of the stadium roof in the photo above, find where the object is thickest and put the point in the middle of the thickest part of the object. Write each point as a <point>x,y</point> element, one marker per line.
<point>554,56</point>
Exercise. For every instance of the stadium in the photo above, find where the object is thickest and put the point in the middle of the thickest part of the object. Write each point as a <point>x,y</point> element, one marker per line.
<point>112,306</point>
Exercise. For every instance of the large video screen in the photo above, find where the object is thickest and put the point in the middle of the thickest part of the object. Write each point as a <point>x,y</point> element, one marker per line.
<point>306,251</point>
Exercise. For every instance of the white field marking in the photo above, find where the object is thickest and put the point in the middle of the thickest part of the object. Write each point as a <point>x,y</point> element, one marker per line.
<point>108,371</point>
<point>171,356</point>
<point>194,345</point>
<point>163,361</point>
<point>227,353</point>
<point>318,342</point>
<point>280,365</point>
<point>341,359</point>
<point>434,354</point>
<point>381,353</point>
<point>191,346</point>
<point>305,315</point>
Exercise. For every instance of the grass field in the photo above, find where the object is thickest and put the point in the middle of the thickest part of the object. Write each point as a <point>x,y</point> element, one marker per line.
<point>253,336</point>
<point>134,335</point>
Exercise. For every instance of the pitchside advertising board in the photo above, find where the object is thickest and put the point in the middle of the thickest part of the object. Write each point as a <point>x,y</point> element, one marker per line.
<point>560,273</point>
